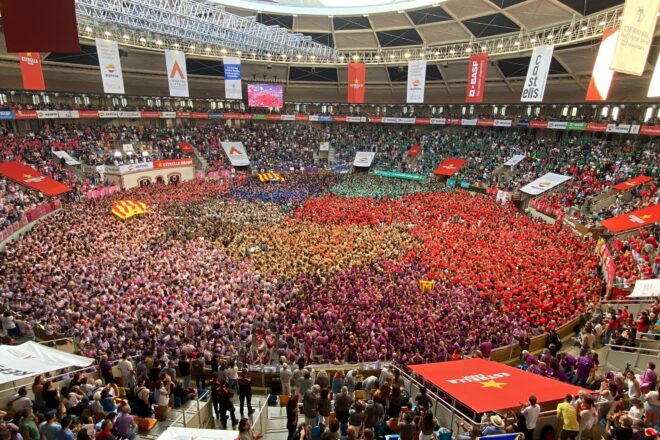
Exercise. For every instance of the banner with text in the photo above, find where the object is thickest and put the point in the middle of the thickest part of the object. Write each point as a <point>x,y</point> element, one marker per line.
<point>33,179</point>
<point>632,220</point>
<point>67,158</point>
<point>236,153</point>
<point>635,36</point>
<point>357,73</point>
<point>110,64</point>
<point>514,160</point>
<point>33,75</point>
<point>177,76</point>
<point>416,81</point>
<point>477,68</point>
<point>654,86</point>
<point>601,77</point>
<point>537,74</point>
<point>233,87</point>
<point>324,146</point>
<point>450,166</point>
<point>364,159</point>
<point>544,183</point>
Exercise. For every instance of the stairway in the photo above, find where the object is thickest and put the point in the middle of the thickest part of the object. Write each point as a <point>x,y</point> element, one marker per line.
<point>199,161</point>
<point>331,156</point>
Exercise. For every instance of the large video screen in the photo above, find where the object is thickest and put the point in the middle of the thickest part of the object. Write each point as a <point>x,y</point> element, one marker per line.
<point>265,95</point>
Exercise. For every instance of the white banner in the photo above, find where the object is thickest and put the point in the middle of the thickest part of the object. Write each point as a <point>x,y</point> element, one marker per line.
<point>620,128</point>
<point>30,359</point>
<point>502,123</point>
<point>557,125</point>
<point>67,158</point>
<point>438,121</point>
<point>168,115</point>
<point>47,114</point>
<point>515,160</point>
<point>177,76</point>
<point>646,289</point>
<point>324,146</point>
<point>313,118</point>
<point>544,183</point>
<point>405,120</point>
<point>364,159</point>
<point>133,167</point>
<point>68,114</point>
<point>236,153</point>
<point>110,64</point>
<point>634,129</point>
<point>109,114</point>
<point>388,120</point>
<point>635,36</point>
<point>233,88</point>
<point>354,118</point>
<point>654,87</point>
<point>469,122</point>
<point>287,117</point>
<point>128,148</point>
<point>127,115</point>
<point>416,81</point>
<point>537,74</point>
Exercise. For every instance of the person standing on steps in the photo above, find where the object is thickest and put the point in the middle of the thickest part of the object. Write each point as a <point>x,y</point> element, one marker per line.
<point>245,392</point>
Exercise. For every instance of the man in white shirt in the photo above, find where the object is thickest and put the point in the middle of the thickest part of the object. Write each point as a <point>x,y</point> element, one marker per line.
<point>126,369</point>
<point>20,401</point>
<point>531,412</point>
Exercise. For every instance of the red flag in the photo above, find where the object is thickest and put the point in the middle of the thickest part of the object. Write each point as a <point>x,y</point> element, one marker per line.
<point>632,220</point>
<point>33,76</point>
<point>450,166</point>
<point>477,67</point>
<point>632,183</point>
<point>356,82</point>
<point>32,178</point>
<point>601,77</point>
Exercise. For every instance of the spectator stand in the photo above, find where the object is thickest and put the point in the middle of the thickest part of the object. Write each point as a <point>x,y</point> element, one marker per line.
<point>27,221</point>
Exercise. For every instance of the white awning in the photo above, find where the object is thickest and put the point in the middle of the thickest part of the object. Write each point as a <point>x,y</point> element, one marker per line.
<point>646,289</point>
<point>30,359</point>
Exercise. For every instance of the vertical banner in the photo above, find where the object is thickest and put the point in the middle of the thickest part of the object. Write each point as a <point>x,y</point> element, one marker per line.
<point>356,82</point>
<point>537,74</point>
<point>477,68</point>
<point>177,76</point>
<point>110,65</point>
<point>601,77</point>
<point>654,87</point>
<point>33,76</point>
<point>416,81</point>
<point>635,36</point>
<point>232,77</point>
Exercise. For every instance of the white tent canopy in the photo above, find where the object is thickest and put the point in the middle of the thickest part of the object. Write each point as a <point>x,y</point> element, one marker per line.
<point>30,359</point>
<point>197,434</point>
<point>646,289</point>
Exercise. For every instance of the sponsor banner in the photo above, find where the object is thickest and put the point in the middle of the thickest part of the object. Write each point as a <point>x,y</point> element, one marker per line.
<point>388,120</point>
<point>67,158</point>
<point>477,68</point>
<point>620,128</point>
<point>503,122</point>
<point>274,117</point>
<point>601,77</point>
<point>414,150</point>
<point>654,86</point>
<point>646,288</point>
<point>25,114</point>
<point>230,115</point>
<point>259,117</point>
<point>450,166</point>
<point>324,118</point>
<point>133,167</point>
<point>314,118</point>
<point>288,117</point>
<point>47,114</point>
<point>302,117</point>
<point>128,115</point>
<point>632,183</point>
<point>236,153</point>
<point>423,121</point>
<point>537,74</point>
<point>469,122</point>
<point>128,148</point>
<point>177,77</point>
<point>399,175</point>
<point>632,220</point>
<point>650,130</point>
<point>522,124</point>
<point>438,121</point>
<point>364,159</point>
<point>100,168</point>
<point>168,115</point>
<point>6,114</point>
<point>405,120</point>
<point>233,87</point>
<point>32,178</point>
<point>88,114</point>
<point>31,71</point>
<point>544,183</point>
<point>453,121</point>
<point>356,82</point>
<point>486,122</point>
<point>538,124</point>
<point>416,81</point>
<point>557,125</point>
<point>324,146</point>
<point>576,126</point>
<point>515,160</point>
<point>635,36</point>
<point>354,119</point>
<point>597,126</point>
<point>68,114</point>
<point>216,115</point>
<point>108,114</point>
<point>173,163</point>
<point>338,118</point>
<point>634,129</point>
<point>183,115</point>
<point>150,115</point>
<point>375,119</point>
<point>199,115</point>
<point>110,65</point>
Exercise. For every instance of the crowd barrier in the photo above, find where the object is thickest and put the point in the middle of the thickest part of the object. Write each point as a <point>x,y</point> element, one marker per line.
<point>636,358</point>
<point>30,216</point>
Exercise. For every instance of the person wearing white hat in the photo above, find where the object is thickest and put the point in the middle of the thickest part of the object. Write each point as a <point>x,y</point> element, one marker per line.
<point>496,426</point>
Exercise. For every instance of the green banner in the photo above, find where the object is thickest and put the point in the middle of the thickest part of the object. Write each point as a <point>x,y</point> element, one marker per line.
<point>258,117</point>
<point>399,175</point>
<point>579,126</point>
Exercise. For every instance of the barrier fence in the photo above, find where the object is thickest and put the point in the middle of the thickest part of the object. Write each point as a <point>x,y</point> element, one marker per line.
<point>30,216</point>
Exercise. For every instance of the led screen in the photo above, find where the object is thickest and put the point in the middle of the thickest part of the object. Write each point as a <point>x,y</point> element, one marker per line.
<point>265,95</point>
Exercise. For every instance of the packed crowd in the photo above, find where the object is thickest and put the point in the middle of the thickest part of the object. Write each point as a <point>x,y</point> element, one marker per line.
<point>15,201</point>
<point>636,257</point>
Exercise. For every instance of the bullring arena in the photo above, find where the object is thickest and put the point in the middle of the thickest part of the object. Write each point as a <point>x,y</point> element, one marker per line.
<point>387,219</point>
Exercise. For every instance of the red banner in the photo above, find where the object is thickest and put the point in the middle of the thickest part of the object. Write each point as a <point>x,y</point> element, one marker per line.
<point>451,121</point>
<point>630,184</point>
<point>88,114</point>
<point>375,119</point>
<point>488,386</point>
<point>423,121</point>
<point>33,76</point>
<point>538,124</point>
<point>477,68</point>
<point>486,122</point>
<point>183,115</point>
<point>173,163</point>
<point>339,118</point>
<point>414,150</point>
<point>597,126</point>
<point>25,114</point>
<point>186,147</point>
<point>450,166</point>
<point>601,77</point>
<point>302,117</point>
<point>608,265</point>
<point>199,115</point>
<point>273,117</point>
<point>32,178</point>
<point>632,220</point>
<point>650,130</point>
<point>356,82</point>
<point>150,115</point>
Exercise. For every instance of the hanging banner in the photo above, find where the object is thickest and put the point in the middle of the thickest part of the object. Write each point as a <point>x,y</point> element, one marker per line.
<point>356,82</point>
<point>450,166</point>
<point>177,76</point>
<point>544,183</point>
<point>110,65</point>
<point>416,81</point>
<point>632,220</point>
<point>233,89</point>
<point>67,158</point>
<point>632,183</point>
<point>515,160</point>
<point>601,77</point>
<point>414,150</point>
<point>236,153</point>
<point>654,87</point>
<point>363,158</point>
<point>31,178</point>
<point>635,36</point>
<point>477,67</point>
<point>33,75</point>
<point>537,74</point>
<point>324,146</point>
